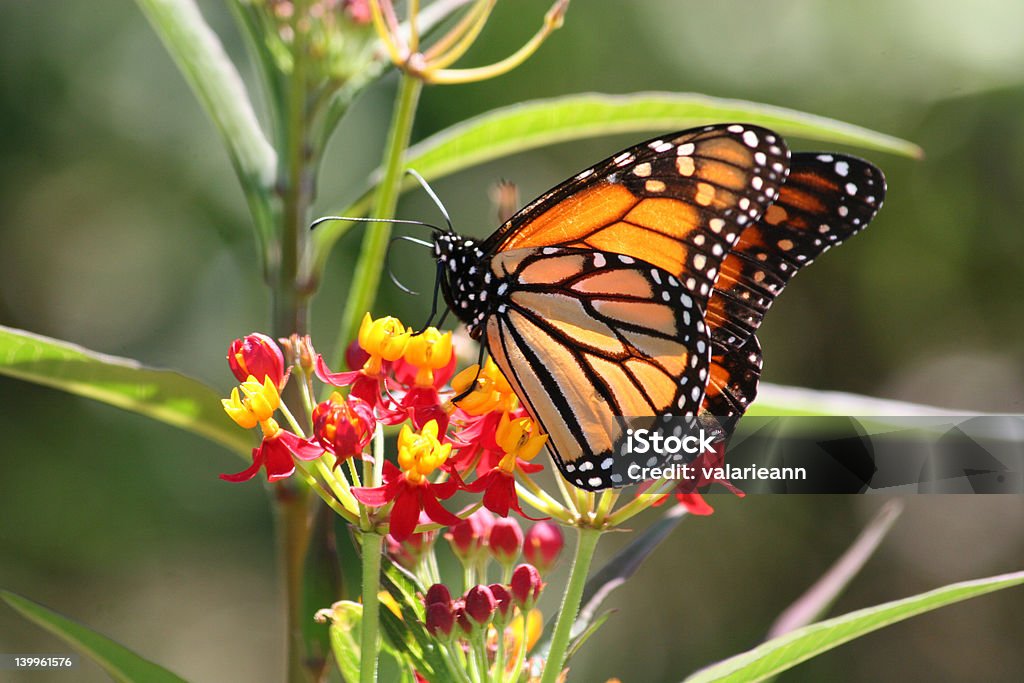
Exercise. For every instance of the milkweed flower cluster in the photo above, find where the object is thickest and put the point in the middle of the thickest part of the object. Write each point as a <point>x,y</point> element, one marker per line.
<point>463,459</point>
<point>485,443</point>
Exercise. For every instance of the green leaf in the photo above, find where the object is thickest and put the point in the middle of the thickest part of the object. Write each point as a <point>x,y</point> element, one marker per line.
<point>122,664</point>
<point>346,618</point>
<point>163,395</point>
<point>529,125</point>
<point>819,597</point>
<point>216,83</point>
<point>785,652</point>
<point>591,629</point>
<point>409,634</point>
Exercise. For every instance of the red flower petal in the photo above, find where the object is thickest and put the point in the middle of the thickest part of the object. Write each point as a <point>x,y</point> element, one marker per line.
<point>437,512</point>
<point>248,473</point>
<point>301,448</point>
<point>338,379</point>
<point>406,512</point>
<point>694,503</point>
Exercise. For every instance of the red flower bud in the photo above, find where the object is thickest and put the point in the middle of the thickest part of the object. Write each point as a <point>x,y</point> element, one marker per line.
<point>440,619</point>
<point>542,545</point>
<point>468,537</point>
<point>525,586</point>
<point>504,600</point>
<point>480,604</point>
<point>461,618</point>
<point>409,552</point>
<point>437,593</point>
<point>257,355</point>
<point>505,540</point>
<point>343,425</point>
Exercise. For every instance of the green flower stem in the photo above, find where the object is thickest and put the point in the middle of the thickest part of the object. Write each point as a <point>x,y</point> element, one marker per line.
<point>539,499</point>
<point>479,650</point>
<point>521,650</point>
<point>586,543</point>
<point>324,494</point>
<point>291,419</point>
<point>607,502</point>
<point>499,657</point>
<point>338,486</point>
<point>368,271</point>
<point>371,548</point>
<point>640,503</point>
<point>455,659</point>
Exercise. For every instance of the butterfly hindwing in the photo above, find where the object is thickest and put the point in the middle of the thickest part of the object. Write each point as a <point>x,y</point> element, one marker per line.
<point>732,382</point>
<point>588,337</point>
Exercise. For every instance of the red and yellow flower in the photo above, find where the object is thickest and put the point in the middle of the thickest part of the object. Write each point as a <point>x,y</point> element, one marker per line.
<point>521,440</point>
<point>408,486</point>
<point>254,403</point>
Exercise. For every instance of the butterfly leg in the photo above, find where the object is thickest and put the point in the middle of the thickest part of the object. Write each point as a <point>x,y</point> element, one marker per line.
<point>433,303</point>
<point>476,378</point>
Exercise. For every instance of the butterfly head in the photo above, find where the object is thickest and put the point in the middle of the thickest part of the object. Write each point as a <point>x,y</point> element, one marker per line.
<point>467,282</point>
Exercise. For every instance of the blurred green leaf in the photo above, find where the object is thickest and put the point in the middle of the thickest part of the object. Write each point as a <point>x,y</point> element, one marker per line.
<point>538,123</point>
<point>212,75</point>
<point>122,664</point>
<point>591,629</point>
<point>346,618</point>
<point>785,652</point>
<point>817,599</point>
<point>163,395</point>
<point>408,633</point>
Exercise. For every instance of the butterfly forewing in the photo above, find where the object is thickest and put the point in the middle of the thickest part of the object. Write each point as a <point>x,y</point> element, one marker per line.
<point>678,203</point>
<point>588,337</point>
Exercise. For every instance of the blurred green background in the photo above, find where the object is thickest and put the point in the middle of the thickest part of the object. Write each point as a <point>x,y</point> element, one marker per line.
<point>123,229</point>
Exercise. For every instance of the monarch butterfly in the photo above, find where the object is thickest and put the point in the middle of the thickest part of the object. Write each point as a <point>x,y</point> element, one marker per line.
<point>635,288</point>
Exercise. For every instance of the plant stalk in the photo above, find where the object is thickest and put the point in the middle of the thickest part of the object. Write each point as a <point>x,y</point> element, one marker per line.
<point>371,549</point>
<point>586,543</point>
<point>366,279</point>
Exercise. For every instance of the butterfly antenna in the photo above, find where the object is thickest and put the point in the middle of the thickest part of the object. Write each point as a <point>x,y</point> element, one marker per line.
<point>433,195</point>
<point>357,219</point>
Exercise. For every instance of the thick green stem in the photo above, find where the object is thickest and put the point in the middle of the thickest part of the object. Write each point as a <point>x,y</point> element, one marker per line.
<point>372,544</point>
<point>291,508</point>
<point>290,314</point>
<point>368,271</point>
<point>586,543</point>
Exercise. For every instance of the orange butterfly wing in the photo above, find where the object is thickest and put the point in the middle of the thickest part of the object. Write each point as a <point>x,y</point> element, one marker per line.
<point>678,203</point>
<point>586,338</point>
<point>827,199</point>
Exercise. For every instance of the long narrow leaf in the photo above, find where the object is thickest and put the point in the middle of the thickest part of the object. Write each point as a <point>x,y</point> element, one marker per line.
<point>785,652</point>
<point>121,663</point>
<point>216,83</point>
<point>825,590</point>
<point>529,125</point>
<point>163,395</point>
<point>212,75</point>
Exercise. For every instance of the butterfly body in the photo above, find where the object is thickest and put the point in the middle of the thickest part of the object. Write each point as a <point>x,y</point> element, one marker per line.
<point>633,289</point>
